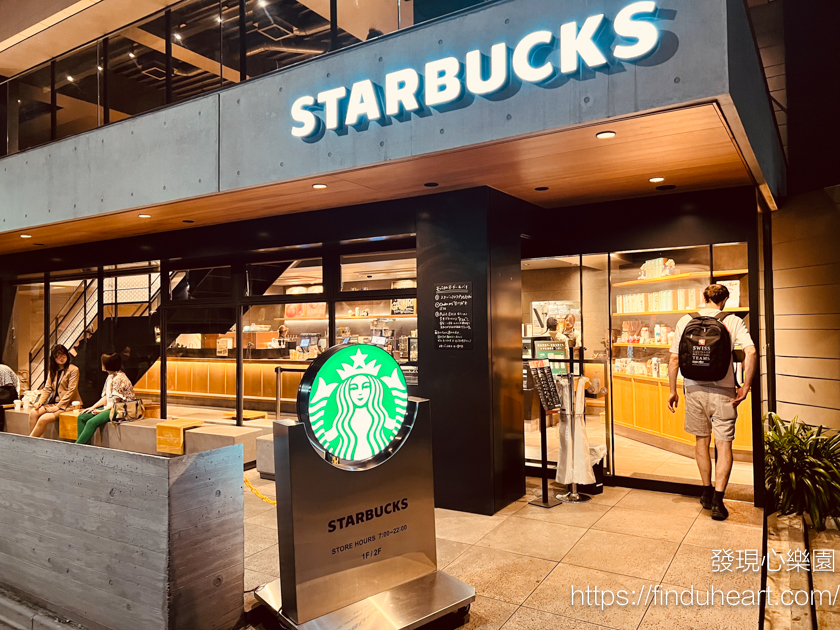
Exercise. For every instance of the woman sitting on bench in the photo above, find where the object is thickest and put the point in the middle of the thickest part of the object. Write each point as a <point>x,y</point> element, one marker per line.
<point>117,388</point>
<point>61,392</point>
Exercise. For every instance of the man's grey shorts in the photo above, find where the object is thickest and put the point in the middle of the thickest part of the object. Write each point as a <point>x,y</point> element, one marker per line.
<point>710,410</point>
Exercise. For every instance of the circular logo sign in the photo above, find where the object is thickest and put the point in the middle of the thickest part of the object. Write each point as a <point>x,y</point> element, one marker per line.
<point>353,401</point>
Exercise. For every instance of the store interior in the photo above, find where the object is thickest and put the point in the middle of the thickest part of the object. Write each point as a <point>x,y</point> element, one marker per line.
<point>614,315</point>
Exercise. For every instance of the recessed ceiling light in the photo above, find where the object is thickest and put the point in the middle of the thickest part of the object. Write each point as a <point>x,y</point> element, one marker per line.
<point>666,187</point>
<point>69,78</point>
<point>657,180</point>
<point>261,3</point>
<point>188,221</point>
<point>527,264</point>
<point>131,54</point>
<point>100,68</point>
<point>319,186</point>
<point>26,236</point>
<point>219,19</point>
<point>145,216</point>
<point>541,188</point>
<point>178,36</point>
<point>605,135</point>
<point>431,184</point>
<point>39,245</point>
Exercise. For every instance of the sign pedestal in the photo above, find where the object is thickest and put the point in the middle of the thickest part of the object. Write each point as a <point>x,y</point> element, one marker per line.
<point>404,607</point>
<point>355,502</point>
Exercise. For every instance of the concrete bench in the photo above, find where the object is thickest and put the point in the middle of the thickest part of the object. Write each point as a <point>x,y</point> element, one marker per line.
<point>136,437</point>
<point>265,456</point>
<point>209,437</point>
<point>17,423</point>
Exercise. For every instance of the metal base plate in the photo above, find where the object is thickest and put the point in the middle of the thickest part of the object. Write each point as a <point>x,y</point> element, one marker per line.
<point>404,607</point>
<point>573,498</point>
<point>550,503</point>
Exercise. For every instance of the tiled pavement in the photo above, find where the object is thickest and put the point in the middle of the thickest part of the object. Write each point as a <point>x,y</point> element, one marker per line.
<point>524,560</point>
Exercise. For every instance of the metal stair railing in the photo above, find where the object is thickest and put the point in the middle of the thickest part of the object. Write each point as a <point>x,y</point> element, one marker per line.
<point>81,317</point>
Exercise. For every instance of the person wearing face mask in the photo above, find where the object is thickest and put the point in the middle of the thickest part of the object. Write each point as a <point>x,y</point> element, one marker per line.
<point>61,391</point>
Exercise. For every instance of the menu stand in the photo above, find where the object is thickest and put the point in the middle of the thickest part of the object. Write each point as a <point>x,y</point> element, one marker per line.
<point>538,370</point>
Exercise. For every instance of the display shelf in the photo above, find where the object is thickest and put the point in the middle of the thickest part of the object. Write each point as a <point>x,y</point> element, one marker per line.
<point>644,377</point>
<point>683,276</point>
<point>679,276</point>
<point>737,309</point>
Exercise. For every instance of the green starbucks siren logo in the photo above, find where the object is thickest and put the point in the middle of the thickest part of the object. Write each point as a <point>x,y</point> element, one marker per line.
<point>355,402</point>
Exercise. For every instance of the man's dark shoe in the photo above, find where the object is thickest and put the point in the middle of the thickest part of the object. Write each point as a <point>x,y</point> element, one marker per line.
<point>719,511</point>
<point>706,497</point>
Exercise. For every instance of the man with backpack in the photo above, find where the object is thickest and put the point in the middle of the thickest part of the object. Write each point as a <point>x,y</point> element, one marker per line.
<point>703,350</point>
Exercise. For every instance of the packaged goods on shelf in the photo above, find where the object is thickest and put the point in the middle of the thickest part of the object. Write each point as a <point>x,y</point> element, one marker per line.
<point>657,268</point>
<point>734,287</point>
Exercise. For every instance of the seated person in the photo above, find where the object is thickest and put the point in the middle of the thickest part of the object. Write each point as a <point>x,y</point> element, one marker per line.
<point>8,391</point>
<point>117,388</point>
<point>62,389</point>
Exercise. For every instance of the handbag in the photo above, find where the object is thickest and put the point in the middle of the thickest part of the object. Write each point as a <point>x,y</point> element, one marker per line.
<point>127,411</point>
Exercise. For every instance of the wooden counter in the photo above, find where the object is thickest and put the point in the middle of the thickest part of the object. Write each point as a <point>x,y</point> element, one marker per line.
<point>640,409</point>
<point>208,379</point>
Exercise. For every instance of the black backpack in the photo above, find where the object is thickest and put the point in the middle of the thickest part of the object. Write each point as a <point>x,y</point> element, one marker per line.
<point>705,349</point>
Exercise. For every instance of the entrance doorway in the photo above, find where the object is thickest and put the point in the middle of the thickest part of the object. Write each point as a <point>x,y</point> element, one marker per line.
<point>614,315</point>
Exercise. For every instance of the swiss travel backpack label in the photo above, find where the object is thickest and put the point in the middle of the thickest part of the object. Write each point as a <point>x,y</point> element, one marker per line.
<point>705,351</point>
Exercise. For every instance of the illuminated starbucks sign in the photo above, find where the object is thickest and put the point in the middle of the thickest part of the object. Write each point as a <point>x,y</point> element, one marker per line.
<point>354,401</point>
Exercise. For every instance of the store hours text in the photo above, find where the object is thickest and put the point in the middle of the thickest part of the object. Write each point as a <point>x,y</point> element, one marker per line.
<point>368,540</point>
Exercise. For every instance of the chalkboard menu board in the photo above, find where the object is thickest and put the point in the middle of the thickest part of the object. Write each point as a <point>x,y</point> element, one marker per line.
<point>454,316</point>
<point>544,381</point>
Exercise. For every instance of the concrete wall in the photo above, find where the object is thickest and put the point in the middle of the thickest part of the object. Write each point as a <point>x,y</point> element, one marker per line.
<point>241,137</point>
<point>806,276</point>
<point>123,541</point>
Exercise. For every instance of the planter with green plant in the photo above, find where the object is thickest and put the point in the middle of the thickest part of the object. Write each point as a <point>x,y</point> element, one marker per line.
<point>802,470</point>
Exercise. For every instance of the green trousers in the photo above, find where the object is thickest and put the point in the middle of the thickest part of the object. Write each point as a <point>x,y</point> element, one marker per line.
<point>88,423</point>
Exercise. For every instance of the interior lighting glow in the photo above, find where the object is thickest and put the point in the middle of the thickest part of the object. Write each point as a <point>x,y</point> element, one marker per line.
<point>145,216</point>
<point>657,180</point>
<point>319,186</point>
<point>69,78</point>
<point>178,36</point>
<point>131,54</point>
<point>26,236</point>
<point>605,135</point>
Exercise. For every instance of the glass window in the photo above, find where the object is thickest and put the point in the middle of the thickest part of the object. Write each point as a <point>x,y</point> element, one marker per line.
<point>196,49</point>
<point>731,270</point>
<point>78,86</point>
<point>379,271</point>
<point>285,331</point>
<point>137,69</point>
<point>30,105</point>
<point>552,325</point>
<point>201,284</point>
<point>391,324</point>
<point>201,370</point>
<point>24,348</point>
<point>286,278</point>
<point>283,32</point>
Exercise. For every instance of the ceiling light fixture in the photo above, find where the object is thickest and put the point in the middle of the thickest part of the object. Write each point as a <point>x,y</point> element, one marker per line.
<point>131,54</point>
<point>666,187</point>
<point>656,180</point>
<point>541,188</point>
<point>26,236</point>
<point>188,221</point>
<point>319,186</point>
<point>178,36</point>
<point>431,184</point>
<point>605,135</point>
<point>145,216</point>
<point>100,68</point>
<point>69,78</point>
